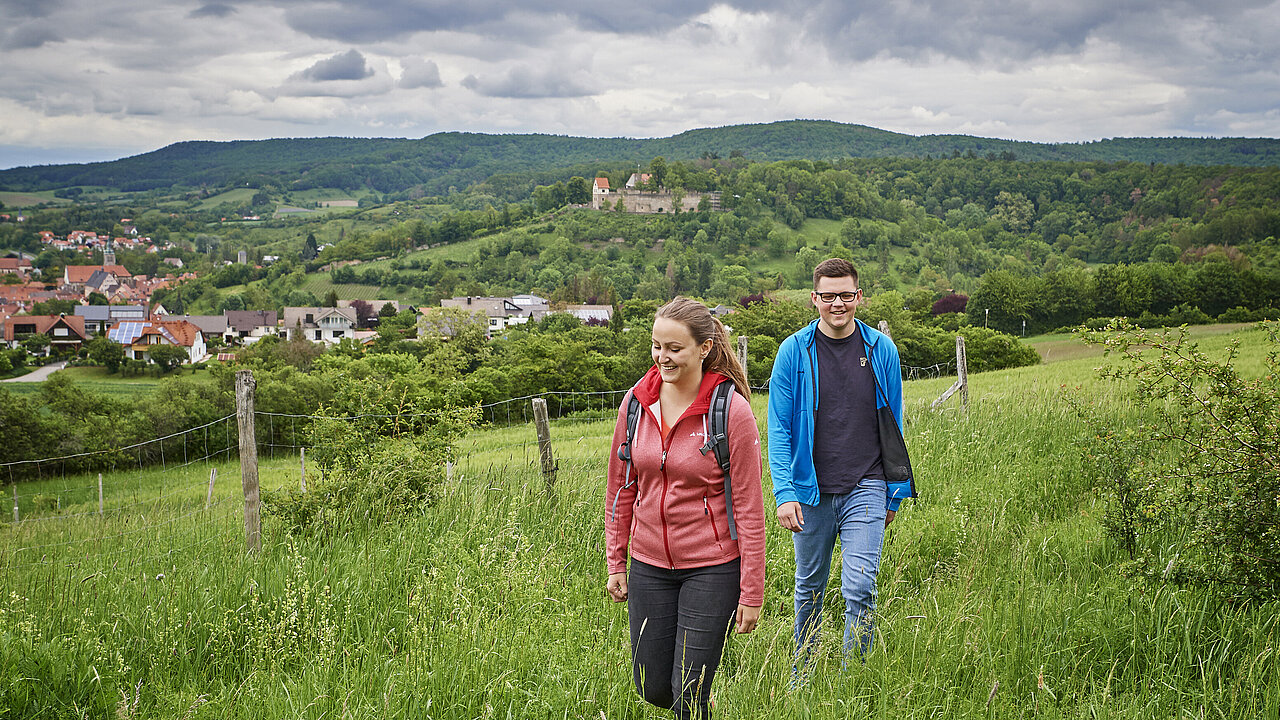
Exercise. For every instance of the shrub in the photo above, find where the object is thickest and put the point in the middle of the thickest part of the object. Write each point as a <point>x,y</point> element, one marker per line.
<point>953,303</point>
<point>1196,484</point>
<point>381,442</point>
<point>1239,314</point>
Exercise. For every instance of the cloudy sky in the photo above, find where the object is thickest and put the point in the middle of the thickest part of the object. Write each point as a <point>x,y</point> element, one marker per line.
<point>86,80</point>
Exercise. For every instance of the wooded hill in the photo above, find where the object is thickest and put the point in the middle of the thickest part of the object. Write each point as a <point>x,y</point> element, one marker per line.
<point>433,164</point>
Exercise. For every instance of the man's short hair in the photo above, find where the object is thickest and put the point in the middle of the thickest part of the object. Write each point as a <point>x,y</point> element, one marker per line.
<point>835,268</point>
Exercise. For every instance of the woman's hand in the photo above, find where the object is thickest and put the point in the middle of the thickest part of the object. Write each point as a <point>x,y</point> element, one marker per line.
<point>617,587</point>
<point>747,619</point>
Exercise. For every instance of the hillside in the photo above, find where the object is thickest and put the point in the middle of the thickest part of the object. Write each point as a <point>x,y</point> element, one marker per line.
<point>1001,595</point>
<point>437,162</point>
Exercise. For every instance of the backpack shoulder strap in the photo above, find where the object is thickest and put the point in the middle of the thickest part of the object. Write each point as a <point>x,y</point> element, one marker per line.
<point>624,450</point>
<point>633,420</point>
<point>718,440</point>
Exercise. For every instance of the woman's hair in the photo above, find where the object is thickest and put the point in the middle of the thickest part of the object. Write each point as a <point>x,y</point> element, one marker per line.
<point>702,325</point>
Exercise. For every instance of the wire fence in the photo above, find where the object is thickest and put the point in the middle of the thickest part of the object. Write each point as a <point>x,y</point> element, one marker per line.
<point>162,494</point>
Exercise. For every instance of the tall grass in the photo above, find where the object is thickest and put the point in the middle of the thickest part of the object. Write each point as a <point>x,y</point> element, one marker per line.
<point>999,595</point>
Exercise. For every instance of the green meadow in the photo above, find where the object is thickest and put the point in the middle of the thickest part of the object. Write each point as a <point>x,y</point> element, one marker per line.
<point>999,594</point>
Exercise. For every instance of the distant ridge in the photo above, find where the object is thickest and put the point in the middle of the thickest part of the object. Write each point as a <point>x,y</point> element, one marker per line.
<point>437,162</point>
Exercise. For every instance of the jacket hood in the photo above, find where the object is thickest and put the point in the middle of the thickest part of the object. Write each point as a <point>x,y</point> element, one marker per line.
<point>646,391</point>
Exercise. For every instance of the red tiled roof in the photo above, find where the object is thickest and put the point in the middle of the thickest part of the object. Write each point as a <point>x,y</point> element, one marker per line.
<point>80,274</point>
<point>44,323</point>
<point>183,331</point>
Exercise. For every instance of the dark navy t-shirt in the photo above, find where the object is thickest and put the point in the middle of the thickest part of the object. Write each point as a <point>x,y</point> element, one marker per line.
<point>846,438</point>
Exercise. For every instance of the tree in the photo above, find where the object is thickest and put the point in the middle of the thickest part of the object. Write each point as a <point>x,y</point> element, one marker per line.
<point>1014,211</point>
<point>309,248</point>
<point>658,172</point>
<point>331,297</point>
<point>167,357</point>
<point>364,311</point>
<point>953,303</point>
<point>105,352</point>
<point>54,307</point>
<point>97,298</point>
<point>1007,297</point>
<point>1122,290</point>
<point>578,191</point>
<point>37,344</point>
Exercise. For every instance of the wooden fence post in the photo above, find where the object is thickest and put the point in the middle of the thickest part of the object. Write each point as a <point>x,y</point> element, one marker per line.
<point>99,494</point>
<point>248,460</point>
<point>15,502</point>
<point>303,460</point>
<point>742,357</point>
<point>962,379</point>
<point>208,499</point>
<point>448,472</point>
<point>543,425</point>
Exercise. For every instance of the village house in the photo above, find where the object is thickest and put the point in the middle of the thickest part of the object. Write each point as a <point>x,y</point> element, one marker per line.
<point>317,324</point>
<point>375,306</point>
<point>76,277</point>
<point>65,332</point>
<point>213,326</point>
<point>99,319</point>
<point>246,327</point>
<point>500,313</point>
<point>16,266</point>
<point>589,313</point>
<point>139,337</point>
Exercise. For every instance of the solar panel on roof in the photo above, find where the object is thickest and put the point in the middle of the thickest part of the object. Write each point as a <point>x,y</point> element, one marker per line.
<point>127,332</point>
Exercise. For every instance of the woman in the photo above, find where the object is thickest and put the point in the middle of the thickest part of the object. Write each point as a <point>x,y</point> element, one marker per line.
<point>667,510</point>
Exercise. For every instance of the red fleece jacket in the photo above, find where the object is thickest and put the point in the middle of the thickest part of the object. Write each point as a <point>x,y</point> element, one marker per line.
<point>672,514</point>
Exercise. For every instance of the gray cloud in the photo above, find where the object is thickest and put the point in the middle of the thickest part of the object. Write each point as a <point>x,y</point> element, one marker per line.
<point>420,73</point>
<point>214,10</point>
<point>30,8</point>
<point>525,82</point>
<point>125,72</point>
<point>29,36</point>
<point>357,22</point>
<point>349,65</point>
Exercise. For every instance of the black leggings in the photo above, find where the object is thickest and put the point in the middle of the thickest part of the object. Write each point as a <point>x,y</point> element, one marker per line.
<point>679,620</point>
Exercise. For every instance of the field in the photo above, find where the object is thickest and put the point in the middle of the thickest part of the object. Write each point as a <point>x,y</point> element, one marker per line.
<point>999,595</point>
<point>17,200</point>
<point>98,380</point>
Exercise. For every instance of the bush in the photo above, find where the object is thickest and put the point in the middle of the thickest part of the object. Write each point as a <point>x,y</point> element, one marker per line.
<point>381,442</point>
<point>1239,314</point>
<point>1195,487</point>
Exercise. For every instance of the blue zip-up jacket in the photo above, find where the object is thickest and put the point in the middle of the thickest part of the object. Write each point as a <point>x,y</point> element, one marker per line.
<point>793,393</point>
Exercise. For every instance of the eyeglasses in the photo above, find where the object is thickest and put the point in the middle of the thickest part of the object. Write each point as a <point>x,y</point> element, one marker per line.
<point>844,296</point>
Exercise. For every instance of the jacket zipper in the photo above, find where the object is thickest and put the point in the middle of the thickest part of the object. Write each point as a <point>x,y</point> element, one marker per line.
<point>662,504</point>
<point>706,510</point>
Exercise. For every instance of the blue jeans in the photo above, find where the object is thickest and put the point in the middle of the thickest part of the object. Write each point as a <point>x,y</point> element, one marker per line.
<point>857,518</point>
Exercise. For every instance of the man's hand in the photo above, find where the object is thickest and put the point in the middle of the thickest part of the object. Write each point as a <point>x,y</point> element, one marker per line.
<point>888,516</point>
<point>790,516</point>
<point>617,586</point>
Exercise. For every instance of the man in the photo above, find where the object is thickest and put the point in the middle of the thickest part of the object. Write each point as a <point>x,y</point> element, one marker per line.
<point>829,481</point>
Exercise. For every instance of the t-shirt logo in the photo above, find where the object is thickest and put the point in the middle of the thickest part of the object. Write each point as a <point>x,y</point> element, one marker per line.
<point>862,361</point>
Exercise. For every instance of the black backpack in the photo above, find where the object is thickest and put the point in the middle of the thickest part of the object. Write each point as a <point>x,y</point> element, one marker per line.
<point>717,440</point>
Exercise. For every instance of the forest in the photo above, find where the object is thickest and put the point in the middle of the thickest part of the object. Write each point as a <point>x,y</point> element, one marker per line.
<point>433,164</point>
